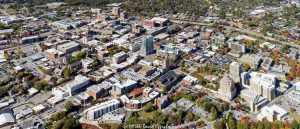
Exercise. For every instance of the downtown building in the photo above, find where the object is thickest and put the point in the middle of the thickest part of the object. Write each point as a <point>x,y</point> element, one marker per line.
<point>77,84</point>
<point>61,93</point>
<point>235,70</point>
<point>259,89</point>
<point>99,110</point>
<point>147,46</point>
<point>227,89</point>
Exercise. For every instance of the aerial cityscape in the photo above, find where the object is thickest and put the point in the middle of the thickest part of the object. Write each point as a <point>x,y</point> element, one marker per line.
<point>156,64</point>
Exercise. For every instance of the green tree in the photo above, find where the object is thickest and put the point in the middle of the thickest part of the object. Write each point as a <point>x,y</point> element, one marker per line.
<point>93,102</point>
<point>265,48</point>
<point>219,125</point>
<point>253,125</point>
<point>188,117</point>
<point>239,124</point>
<point>67,72</point>
<point>260,125</point>
<point>69,124</point>
<point>21,54</point>
<point>47,88</point>
<point>267,124</point>
<point>180,114</point>
<point>284,48</point>
<point>40,85</point>
<point>279,124</point>
<point>222,14</point>
<point>202,81</point>
<point>182,75</point>
<point>57,116</point>
<point>58,125</point>
<point>20,75</point>
<point>80,55</point>
<point>3,90</point>
<point>295,125</point>
<point>16,26</point>
<point>53,79</point>
<point>243,123</point>
<point>2,25</point>
<point>214,112</point>
<point>266,28</point>
<point>172,62</point>
<point>7,80</point>
<point>30,10</point>
<point>134,119</point>
<point>231,123</point>
<point>149,107</point>
<point>48,125</point>
<point>208,106</point>
<point>69,106</point>
<point>164,89</point>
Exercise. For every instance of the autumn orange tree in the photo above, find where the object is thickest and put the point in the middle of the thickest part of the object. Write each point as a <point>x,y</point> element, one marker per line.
<point>295,69</point>
<point>275,54</point>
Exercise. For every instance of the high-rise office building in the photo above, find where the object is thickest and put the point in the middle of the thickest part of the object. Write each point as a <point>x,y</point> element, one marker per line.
<point>116,11</point>
<point>147,46</point>
<point>235,71</point>
<point>166,63</point>
<point>227,88</point>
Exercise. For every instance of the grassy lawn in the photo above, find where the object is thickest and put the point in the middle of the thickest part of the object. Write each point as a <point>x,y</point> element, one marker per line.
<point>295,116</point>
<point>149,115</point>
<point>11,11</point>
<point>234,33</point>
<point>198,75</point>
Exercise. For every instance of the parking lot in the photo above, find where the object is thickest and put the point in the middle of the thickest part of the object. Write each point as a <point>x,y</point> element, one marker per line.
<point>31,102</point>
<point>28,63</point>
<point>221,60</point>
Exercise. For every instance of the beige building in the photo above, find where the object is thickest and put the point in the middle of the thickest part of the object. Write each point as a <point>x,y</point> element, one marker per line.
<point>136,28</point>
<point>253,60</point>
<point>227,88</point>
<point>124,15</point>
<point>53,53</point>
<point>116,11</point>
<point>119,57</point>
<point>102,17</point>
<point>146,71</point>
